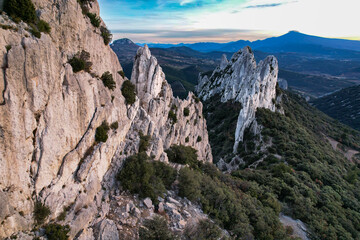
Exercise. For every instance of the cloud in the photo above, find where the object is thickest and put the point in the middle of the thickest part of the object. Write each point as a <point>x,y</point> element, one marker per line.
<point>184,2</point>
<point>265,5</point>
<point>177,36</point>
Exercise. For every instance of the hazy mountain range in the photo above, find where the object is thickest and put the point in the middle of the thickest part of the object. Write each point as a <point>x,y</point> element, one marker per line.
<point>313,66</point>
<point>292,41</point>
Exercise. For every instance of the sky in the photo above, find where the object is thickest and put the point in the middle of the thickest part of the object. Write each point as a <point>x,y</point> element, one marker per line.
<point>188,21</point>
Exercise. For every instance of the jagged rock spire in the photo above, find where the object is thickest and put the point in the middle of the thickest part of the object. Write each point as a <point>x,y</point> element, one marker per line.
<point>147,76</point>
<point>242,80</point>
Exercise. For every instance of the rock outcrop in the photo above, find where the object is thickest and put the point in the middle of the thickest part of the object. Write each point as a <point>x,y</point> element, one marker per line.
<point>242,80</point>
<point>49,115</point>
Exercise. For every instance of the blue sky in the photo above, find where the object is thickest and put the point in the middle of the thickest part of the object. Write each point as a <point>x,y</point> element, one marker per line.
<point>175,21</point>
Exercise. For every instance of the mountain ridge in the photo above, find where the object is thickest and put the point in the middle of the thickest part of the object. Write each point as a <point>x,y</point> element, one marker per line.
<point>290,37</point>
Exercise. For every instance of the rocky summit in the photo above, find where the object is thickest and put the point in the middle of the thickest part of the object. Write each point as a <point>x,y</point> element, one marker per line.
<point>242,80</point>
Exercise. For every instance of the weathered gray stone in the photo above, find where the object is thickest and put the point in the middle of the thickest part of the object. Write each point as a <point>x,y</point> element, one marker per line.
<point>148,203</point>
<point>108,230</point>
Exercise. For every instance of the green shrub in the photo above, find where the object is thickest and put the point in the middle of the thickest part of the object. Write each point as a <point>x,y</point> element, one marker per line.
<point>108,80</point>
<point>62,215</point>
<point>85,5</point>
<point>94,19</point>
<point>43,26</point>
<point>141,176</point>
<point>189,184</point>
<point>166,173</point>
<point>197,100</point>
<point>199,139</point>
<point>41,212</point>
<point>144,142</point>
<point>101,132</point>
<point>34,31</point>
<point>23,9</point>
<point>8,47</point>
<point>128,91</point>
<point>183,155</point>
<point>155,229</point>
<point>122,74</point>
<point>172,116</point>
<point>114,125</point>
<point>56,231</point>
<point>80,61</point>
<point>187,139</point>
<point>186,112</point>
<point>106,35</point>
<point>204,230</point>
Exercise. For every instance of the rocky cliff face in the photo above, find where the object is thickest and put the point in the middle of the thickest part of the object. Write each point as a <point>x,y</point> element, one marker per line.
<point>49,116</point>
<point>241,80</point>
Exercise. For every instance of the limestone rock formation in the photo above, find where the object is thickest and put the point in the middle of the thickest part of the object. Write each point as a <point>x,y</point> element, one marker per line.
<point>49,115</point>
<point>242,80</point>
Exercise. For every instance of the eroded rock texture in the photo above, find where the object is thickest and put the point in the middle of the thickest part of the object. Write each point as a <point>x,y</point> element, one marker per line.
<point>49,115</point>
<point>242,80</point>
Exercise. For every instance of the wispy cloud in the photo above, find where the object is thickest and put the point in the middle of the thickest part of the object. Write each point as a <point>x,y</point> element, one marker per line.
<point>184,2</point>
<point>265,5</point>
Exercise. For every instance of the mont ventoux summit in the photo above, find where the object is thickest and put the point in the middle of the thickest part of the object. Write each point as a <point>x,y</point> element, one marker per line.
<point>212,144</point>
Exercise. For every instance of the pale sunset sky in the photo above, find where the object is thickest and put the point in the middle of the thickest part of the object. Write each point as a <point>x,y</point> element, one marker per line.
<point>188,21</point>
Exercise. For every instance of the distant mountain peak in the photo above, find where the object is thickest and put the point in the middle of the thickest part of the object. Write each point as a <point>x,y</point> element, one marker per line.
<point>123,41</point>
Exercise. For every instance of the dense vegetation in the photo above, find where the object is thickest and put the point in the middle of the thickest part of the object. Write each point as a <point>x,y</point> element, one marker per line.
<point>221,119</point>
<point>56,231</point>
<point>204,230</point>
<point>313,182</point>
<point>108,80</point>
<point>94,19</point>
<point>155,229</point>
<point>41,212</point>
<point>20,10</point>
<point>128,91</point>
<point>342,105</point>
<point>147,178</point>
<point>101,132</point>
<point>219,195</point>
<point>106,35</point>
<point>25,10</point>
<point>184,155</point>
<point>80,61</point>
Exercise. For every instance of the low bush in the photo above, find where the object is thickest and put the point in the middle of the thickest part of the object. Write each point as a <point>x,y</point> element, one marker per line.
<point>101,132</point>
<point>41,212</point>
<point>106,35</point>
<point>140,175</point>
<point>128,91</point>
<point>204,230</point>
<point>85,4</point>
<point>144,142</point>
<point>80,61</point>
<point>172,116</point>
<point>94,19</point>
<point>114,125</point>
<point>199,139</point>
<point>186,112</point>
<point>43,26</point>
<point>34,31</point>
<point>108,80</point>
<point>155,229</point>
<point>22,9</point>
<point>56,231</point>
<point>122,74</point>
<point>183,155</point>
